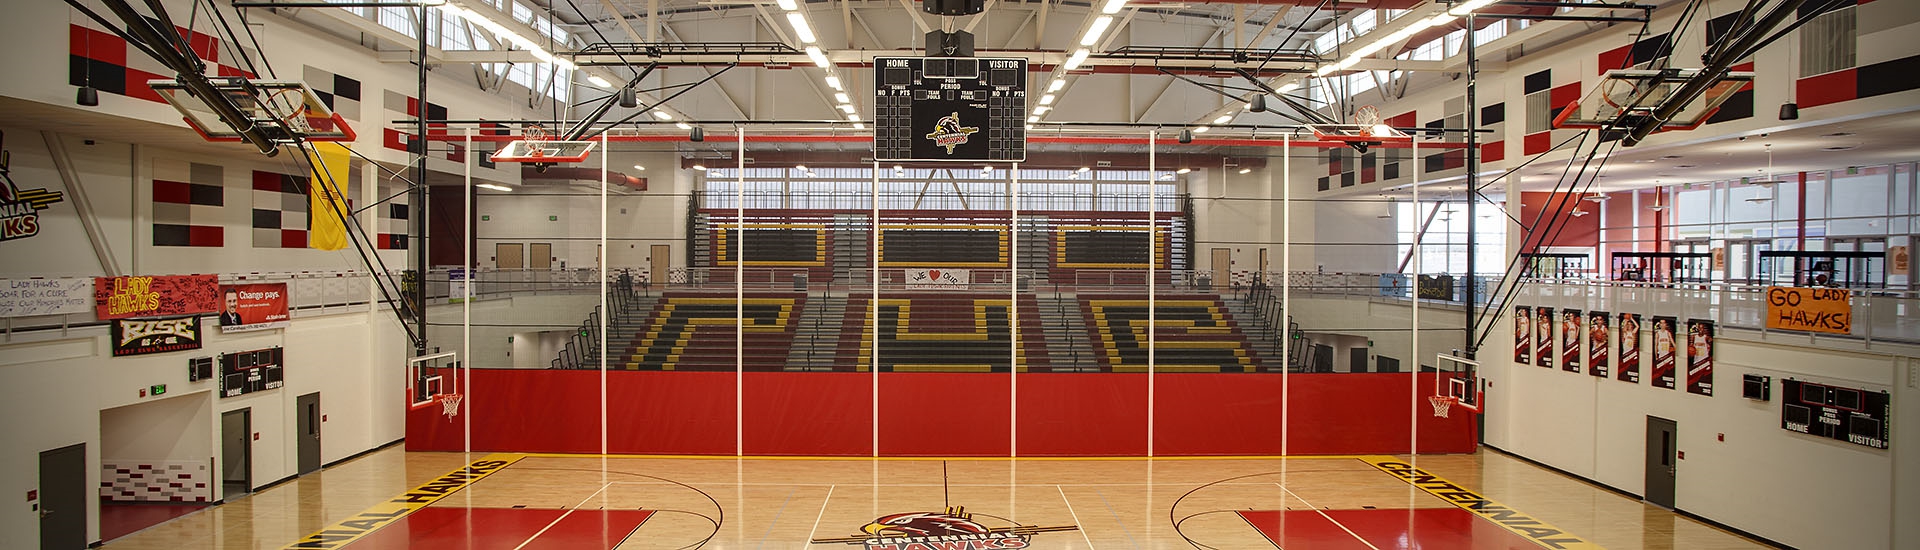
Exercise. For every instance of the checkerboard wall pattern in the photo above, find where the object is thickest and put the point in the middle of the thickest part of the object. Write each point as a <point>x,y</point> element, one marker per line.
<point>156,481</point>
<point>187,199</point>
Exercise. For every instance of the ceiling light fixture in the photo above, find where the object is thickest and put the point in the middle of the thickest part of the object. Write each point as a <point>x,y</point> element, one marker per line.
<point>1112,6</point>
<point>1100,25</point>
<point>700,167</point>
<point>800,167</point>
<point>1085,169</point>
<point>1041,110</point>
<point>834,82</point>
<point>788,5</point>
<point>1579,211</point>
<point>1597,197</point>
<point>1200,129</point>
<point>853,118</point>
<point>1183,170</point>
<point>639,167</point>
<point>800,28</point>
<point>493,187</point>
<point>595,79</point>
<point>663,115</point>
<point>1245,170</point>
<point>1079,56</point>
<point>1046,99</point>
<point>1056,85</point>
<point>1034,118</point>
<point>847,108</point>
<point>859,126</point>
<point>1770,181</point>
<point>1223,119</point>
<point>683,125</point>
<point>841,97</point>
<point>819,59</point>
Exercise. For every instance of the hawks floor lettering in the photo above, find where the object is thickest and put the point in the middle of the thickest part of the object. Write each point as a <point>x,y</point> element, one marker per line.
<point>1512,520</point>
<point>379,515</point>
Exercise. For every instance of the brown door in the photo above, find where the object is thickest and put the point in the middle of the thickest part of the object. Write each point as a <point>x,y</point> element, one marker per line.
<point>1262,275</point>
<point>1222,268</point>
<point>540,256</point>
<point>509,256</point>
<point>659,262</point>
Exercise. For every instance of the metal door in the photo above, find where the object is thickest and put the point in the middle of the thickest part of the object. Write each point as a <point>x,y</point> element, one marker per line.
<point>309,406</point>
<point>63,498</point>
<point>1663,460</point>
<point>236,453</point>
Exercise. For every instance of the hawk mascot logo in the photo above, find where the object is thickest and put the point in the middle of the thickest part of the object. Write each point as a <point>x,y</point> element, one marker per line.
<point>949,133</point>
<point>953,529</point>
<point>20,208</point>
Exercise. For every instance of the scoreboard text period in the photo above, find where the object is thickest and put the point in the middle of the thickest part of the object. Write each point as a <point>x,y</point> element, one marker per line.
<point>950,109</point>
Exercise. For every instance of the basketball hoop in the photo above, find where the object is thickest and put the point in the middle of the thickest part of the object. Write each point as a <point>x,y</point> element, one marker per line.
<point>450,405</point>
<point>1442,404</point>
<point>1366,117</point>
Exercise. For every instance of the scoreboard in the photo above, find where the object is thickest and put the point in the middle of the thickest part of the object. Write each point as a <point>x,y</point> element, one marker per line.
<point>1847,414</point>
<point>950,109</point>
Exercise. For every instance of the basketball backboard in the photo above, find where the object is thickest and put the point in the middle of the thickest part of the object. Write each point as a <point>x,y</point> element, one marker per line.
<point>285,112</point>
<point>1458,378</point>
<point>432,378</point>
<point>543,151</point>
<point>1369,133</point>
<point>1628,97</point>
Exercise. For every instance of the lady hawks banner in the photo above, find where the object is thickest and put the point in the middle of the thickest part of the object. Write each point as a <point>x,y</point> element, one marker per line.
<point>1700,356</point>
<point>123,297</point>
<point>1597,343</point>
<point>1630,347</point>
<point>1543,336</point>
<point>1570,336</point>
<point>1663,352</point>
<point>1522,335</point>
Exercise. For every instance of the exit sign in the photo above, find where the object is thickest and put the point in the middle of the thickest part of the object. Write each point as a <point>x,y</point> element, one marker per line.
<point>157,389</point>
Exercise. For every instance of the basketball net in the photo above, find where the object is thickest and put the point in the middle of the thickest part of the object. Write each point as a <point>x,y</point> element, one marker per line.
<point>450,405</point>
<point>1441,404</point>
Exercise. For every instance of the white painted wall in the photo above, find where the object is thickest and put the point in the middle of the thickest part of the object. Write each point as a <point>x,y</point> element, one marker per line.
<point>63,382</point>
<point>173,428</point>
<point>1799,490</point>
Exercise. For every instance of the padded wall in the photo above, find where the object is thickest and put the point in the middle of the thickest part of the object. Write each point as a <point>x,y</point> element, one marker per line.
<point>944,414</point>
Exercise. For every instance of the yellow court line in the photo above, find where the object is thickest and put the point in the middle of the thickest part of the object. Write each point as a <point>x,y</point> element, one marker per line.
<point>1507,518</point>
<point>958,458</point>
<point>345,531</point>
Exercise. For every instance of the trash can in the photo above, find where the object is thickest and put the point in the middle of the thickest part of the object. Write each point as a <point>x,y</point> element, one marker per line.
<point>800,282</point>
<point>1203,282</point>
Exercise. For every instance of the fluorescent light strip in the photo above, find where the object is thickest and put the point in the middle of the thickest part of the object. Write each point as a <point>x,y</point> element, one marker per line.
<point>788,5</point>
<point>841,97</point>
<point>818,57</point>
<point>834,82</point>
<point>1112,6</point>
<point>662,115</point>
<point>853,118</point>
<point>1099,27</point>
<point>493,187</point>
<point>1222,119</point>
<point>1056,85</point>
<point>682,125</point>
<point>1046,99</point>
<point>800,28</point>
<point>848,108</point>
<point>1079,56</point>
<point>595,79</point>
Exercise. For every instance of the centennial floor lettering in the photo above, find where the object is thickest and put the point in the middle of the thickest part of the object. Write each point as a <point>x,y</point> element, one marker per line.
<point>1512,520</point>
<point>365,522</point>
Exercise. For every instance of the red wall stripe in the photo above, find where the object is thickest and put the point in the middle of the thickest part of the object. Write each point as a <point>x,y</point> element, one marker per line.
<point>1833,87</point>
<point>1536,143</point>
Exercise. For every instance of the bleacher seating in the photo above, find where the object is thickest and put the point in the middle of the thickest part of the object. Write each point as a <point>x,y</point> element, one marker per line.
<point>1195,333</point>
<point>940,331</point>
<point>696,331</point>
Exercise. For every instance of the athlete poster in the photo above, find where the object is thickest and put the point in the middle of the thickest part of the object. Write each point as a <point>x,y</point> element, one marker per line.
<point>1630,347</point>
<point>253,307</point>
<point>1597,343</point>
<point>1543,336</point>
<point>1522,335</point>
<point>1570,336</point>
<point>1700,357</point>
<point>1663,350</point>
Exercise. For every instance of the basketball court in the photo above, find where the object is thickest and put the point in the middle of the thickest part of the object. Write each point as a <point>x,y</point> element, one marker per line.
<point>507,500</point>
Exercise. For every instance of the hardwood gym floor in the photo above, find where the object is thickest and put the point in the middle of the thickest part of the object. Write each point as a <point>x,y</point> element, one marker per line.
<point>395,499</point>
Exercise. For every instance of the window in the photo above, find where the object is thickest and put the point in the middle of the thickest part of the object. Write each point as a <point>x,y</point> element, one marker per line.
<point>1829,43</point>
<point>1443,248</point>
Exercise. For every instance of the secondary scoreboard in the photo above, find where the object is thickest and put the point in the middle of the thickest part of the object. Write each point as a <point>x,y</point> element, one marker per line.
<point>950,109</point>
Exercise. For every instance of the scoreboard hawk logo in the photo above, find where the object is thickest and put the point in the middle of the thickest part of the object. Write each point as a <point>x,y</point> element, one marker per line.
<point>949,133</point>
<point>952,529</point>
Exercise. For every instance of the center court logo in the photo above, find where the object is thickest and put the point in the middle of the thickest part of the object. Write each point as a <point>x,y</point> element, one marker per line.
<point>949,133</point>
<point>953,529</point>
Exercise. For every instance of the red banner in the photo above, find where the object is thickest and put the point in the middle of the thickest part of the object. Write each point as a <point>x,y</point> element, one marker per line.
<point>1664,349</point>
<point>1700,357</point>
<point>1598,343</point>
<point>253,307</point>
<point>124,297</point>
<point>1630,347</point>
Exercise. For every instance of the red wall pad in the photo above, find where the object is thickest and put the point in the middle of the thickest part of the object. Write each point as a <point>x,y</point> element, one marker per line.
<point>1082,414</point>
<point>944,414</point>
<point>809,413</point>
<point>1239,414</point>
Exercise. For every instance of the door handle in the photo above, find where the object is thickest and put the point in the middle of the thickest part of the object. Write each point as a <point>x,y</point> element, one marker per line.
<point>44,512</point>
<point>1670,472</point>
